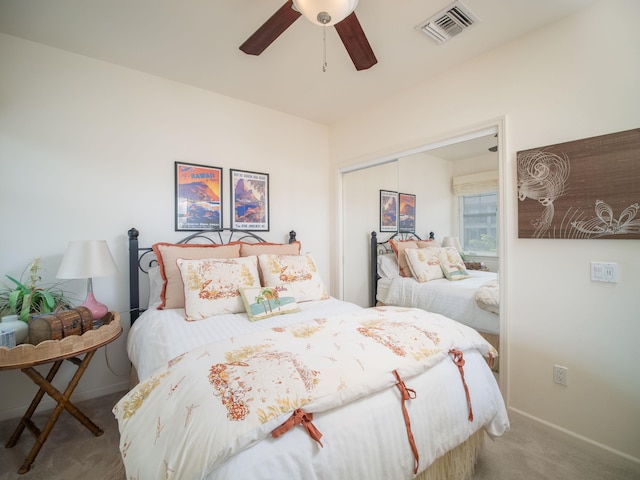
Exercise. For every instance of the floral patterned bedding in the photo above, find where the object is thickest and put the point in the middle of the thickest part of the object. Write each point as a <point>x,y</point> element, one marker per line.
<point>216,401</point>
<point>488,297</point>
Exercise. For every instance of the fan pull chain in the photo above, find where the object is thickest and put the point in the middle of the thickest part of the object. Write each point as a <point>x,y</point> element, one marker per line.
<point>324,46</point>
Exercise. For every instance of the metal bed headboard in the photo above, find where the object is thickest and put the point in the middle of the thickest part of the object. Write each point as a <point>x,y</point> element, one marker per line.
<point>141,259</point>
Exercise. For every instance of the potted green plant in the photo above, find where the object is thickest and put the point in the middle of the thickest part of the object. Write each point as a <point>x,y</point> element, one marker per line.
<point>28,297</point>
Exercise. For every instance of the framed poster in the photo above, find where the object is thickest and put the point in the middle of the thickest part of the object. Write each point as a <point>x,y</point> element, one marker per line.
<point>198,197</point>
<point>249,200</point>
<point>388,211</point>
<point>407,212</point>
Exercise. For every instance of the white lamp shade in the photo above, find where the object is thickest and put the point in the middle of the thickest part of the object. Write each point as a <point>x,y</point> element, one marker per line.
<point>452,242</point>
<point>87,259</point>
<point>338,10</point>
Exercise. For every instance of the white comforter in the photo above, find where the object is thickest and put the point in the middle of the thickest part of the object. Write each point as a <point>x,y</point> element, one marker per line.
<point>365,438</point>
<point>454,299</point>
<point>160,335</point>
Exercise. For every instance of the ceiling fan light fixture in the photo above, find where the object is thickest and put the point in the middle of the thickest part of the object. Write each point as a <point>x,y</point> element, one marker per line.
<point>325,12</point>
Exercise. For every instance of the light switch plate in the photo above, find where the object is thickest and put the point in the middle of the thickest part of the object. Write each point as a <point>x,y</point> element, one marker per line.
<point>604,272</point>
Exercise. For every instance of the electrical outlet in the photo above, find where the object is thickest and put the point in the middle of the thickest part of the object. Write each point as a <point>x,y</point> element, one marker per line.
<point>561,375</point>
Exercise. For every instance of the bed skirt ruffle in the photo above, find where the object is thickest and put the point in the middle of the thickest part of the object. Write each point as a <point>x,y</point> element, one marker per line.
<point>458,463</point>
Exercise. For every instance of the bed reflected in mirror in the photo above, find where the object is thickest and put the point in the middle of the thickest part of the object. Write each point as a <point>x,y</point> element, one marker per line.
<point>455,190</point>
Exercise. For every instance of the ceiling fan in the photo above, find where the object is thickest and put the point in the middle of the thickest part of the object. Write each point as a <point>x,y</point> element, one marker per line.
<point>494,149</point>
<point>349,30</point>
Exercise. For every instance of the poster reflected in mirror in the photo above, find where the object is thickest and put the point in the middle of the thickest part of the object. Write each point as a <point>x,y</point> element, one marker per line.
<point>407,213</point>
<point>388,211</point>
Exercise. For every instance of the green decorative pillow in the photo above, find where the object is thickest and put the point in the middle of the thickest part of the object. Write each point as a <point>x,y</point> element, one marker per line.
<point>211,285</point>
<point>265,302</point>
<point>452,264</point>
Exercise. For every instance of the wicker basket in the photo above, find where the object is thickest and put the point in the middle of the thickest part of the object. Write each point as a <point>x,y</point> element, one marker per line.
<point>58,325</point>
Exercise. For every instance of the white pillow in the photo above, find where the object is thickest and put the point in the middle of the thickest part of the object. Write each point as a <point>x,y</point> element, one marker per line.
<point>298,272</point>
<point>167,254</point>
<point>211,285</point>
<point>155,285</point>
<point>424,263</point>
<point>388,266</point>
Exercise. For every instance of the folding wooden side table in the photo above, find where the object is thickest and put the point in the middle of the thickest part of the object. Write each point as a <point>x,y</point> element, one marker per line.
<point>77,349</point>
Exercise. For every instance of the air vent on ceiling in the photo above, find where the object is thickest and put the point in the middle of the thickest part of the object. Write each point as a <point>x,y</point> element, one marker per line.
<point>448,23</point>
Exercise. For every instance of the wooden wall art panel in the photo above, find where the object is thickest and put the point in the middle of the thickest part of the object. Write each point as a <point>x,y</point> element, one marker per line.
<point>583,189</point>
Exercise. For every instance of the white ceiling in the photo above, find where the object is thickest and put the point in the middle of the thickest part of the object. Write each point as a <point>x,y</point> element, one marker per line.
<point>196,42</point>
<point>467,148</point>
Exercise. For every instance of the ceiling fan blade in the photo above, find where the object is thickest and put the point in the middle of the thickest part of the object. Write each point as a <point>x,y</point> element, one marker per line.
<point>271,29</point>
<point>356,43</point>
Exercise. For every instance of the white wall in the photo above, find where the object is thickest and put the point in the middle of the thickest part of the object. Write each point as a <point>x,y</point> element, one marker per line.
<point>562,83</point>
<point>429,178</point>
<point>87,150</point>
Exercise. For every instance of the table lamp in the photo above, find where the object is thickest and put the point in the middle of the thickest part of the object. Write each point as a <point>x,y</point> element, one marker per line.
<point>452,242</point>
<point>88,259</point>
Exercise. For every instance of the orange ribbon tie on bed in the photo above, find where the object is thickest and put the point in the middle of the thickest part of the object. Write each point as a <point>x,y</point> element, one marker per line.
<point>298,417</point>
<point>458,359</point>
<point>408,394</point>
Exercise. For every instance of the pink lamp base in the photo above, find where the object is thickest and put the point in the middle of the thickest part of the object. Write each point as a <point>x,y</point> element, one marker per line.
<point>98,310</point>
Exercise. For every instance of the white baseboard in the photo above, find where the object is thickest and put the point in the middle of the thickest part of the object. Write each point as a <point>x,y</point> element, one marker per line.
<point>587,442</point>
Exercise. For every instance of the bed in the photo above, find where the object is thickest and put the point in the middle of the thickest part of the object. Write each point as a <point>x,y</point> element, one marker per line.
<point>326,390</point>
<point>473,301</point>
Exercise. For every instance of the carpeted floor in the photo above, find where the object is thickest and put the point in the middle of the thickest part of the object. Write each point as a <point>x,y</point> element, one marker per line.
<point>528,451</point>
<point>531,451</point>
<point>71,452</point>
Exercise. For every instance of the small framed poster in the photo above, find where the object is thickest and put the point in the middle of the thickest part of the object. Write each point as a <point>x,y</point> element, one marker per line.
<point>198,191</point>
<point>249,200</point>
<point>407,212</point>
<point>388,211</point>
